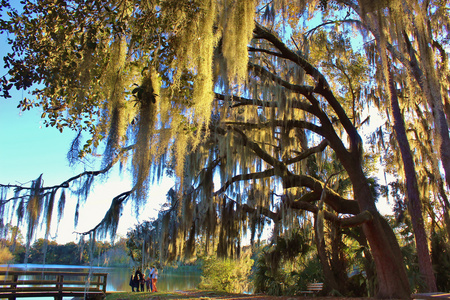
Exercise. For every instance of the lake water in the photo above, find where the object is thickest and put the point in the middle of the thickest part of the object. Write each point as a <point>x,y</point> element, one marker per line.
<point>119,277</point>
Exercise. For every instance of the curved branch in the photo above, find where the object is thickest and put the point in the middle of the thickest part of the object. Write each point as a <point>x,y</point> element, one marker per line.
<point>259,151</point>
<point>65,184</point>
<point>111,218</point>
<point>241,101</point>
<point>242,177</point>
<point>263,33</point>
<point>321,88</point>
<point>277,123</point>
<point>308,152</point>
<point>333,199</point>
<point>344,222</point>
<point>301,89</point>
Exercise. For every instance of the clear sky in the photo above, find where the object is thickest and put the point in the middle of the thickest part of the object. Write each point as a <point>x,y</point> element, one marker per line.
<point>29,149</point>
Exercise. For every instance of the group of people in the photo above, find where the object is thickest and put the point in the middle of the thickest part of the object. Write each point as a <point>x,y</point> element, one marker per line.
<point>139,280</point>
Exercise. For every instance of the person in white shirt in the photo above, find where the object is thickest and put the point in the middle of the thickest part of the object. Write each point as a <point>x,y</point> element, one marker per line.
<point>154,280</point>
<point>150,276</point>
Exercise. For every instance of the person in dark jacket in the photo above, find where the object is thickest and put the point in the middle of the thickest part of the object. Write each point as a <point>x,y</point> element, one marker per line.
<point>137,280</point>
<point>141,281</point>
<point>134,282</point>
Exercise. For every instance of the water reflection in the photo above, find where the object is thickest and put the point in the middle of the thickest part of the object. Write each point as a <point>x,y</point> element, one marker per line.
<point>119,277</point>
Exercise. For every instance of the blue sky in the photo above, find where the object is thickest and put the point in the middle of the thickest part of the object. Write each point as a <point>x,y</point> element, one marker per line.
<point>29,149</point>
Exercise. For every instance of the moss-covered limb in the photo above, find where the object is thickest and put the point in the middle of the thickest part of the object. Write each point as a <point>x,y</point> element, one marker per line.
<point>333,199</point>
<point>349,221</point>
<point>236,101</point>
<point>244,177</point>
<point>31,196</point>
<point>67,182</point>
<point>338,203</point>
<point>286,124</point>
<point>300,89</point>
<point>110,221</point>
<point>264,33</point>
<point>258,150</point>
<point>308,152</point>
<point>322,87</point>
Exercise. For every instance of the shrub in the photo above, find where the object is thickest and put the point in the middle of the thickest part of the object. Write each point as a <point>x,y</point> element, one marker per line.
<point>5,255</point>
<point>228,275</point>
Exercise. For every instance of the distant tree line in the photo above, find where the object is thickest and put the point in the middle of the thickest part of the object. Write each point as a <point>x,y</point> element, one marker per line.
<point>40,252</point>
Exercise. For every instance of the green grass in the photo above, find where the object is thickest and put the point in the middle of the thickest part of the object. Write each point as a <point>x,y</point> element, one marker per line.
<point>193,295</point>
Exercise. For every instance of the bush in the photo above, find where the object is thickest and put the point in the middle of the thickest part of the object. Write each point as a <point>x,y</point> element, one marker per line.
<point>228,275</point>
<point>5,255</point>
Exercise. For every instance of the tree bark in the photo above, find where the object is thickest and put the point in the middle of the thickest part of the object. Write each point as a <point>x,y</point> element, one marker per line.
<point>330,281</point>
<point>414,205</point>
<point>391,273</point>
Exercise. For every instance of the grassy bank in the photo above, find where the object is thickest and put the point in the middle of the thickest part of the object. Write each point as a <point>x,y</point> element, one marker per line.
<point>194,294</point>
<point>206,295</point>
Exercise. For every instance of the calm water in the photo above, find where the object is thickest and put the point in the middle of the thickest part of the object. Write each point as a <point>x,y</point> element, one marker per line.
<point>119,278</point>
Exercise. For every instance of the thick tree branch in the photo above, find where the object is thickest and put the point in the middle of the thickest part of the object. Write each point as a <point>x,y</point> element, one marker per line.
<point>263,33</point>
<point>321,88</point>
<point>243,177</point>
<point>308,152</point>
<point>241,101</point>
<point>260,152</point>
<point>344,222</point>
<point>333,199</point>
<point>289,124</point>
<point>260,71</point>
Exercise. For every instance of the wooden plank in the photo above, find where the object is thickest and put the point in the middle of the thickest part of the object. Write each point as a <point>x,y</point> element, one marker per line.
<point>31,288</point>
<point>312,288</point>
<point>62,285</point>
<point>438,295</point>
<point>49,273</point>
<point>48,294</point>
<point>27,281</point>
<point>49,288</point>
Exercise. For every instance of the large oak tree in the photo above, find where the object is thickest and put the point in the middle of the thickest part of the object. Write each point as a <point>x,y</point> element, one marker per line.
<point>198,86</point>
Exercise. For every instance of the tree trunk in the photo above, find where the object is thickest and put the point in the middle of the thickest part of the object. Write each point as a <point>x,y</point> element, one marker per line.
<point>329,280</point>
<point>337,262</point>
<point>414,205</point>
<point>434,98</point>
<point>391,273</point>
<point>360,237</point>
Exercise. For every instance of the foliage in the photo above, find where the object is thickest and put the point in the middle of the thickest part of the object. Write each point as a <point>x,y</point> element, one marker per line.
<point>281,272</point>
<point>5,255</point>
<point>236,93</point>
<point>225,274</point>
<point>42,251</point>
<point>440,250</point>
<point>115,255</point>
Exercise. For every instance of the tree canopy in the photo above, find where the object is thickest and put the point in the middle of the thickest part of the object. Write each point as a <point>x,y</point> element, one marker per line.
<point>267,99</point>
